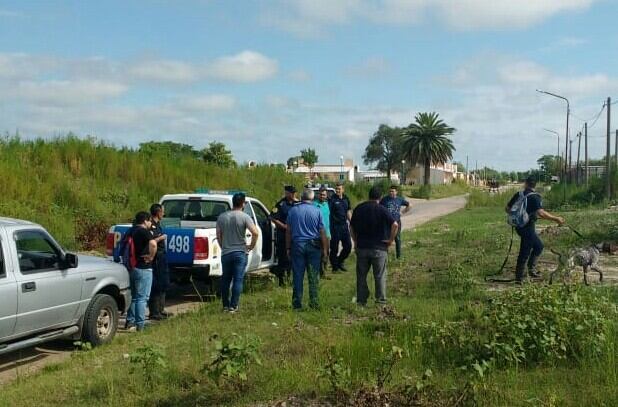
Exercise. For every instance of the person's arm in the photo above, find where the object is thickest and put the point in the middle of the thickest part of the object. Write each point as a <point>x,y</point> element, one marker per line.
<point>349,212</point>
<point>219,235</point>
<point>543,214</point>
<point>255,233</point>
<point>394,229</point>
<point>279,224</point>
<point>324,240</point>
<point>353,235</point>
<point>288,239</point>
<point>406,206</point>
<point>152,250</point>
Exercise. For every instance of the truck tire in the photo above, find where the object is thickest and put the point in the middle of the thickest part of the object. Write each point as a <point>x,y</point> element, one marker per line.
<point>100,320</point>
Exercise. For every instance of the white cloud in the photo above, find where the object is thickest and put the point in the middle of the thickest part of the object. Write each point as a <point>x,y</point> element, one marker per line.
<point>164,71</point>
<point>207,103</point>
<point>55,92</point>
<point>371,68</point>
<point>307,18</point>
<point>246,66</point>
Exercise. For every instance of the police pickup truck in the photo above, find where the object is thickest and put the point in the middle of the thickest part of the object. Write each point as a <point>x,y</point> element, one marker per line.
<point>45,294</point>
<point>190,225</point>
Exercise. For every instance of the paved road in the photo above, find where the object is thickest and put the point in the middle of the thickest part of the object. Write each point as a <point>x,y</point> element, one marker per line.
<point>184,298</point>
<point>423,211</point>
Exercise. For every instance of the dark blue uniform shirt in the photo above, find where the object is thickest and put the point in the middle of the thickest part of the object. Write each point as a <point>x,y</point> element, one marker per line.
<point>339,208</point>
<point>282,209</point>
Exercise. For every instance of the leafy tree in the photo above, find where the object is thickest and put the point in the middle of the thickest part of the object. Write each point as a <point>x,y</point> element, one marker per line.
<point>384,149</point>
<point>549,165</point>
<point>292,160</point>
<point>310,158</point>
<point>426,142</point>
<point>217,153</point>
<point>168,148</point>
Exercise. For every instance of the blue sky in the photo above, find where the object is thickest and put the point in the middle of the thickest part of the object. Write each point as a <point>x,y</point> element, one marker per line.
<point>269,78</point>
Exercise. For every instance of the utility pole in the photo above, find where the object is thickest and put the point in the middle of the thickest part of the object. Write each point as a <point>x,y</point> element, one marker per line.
<point>476,173</point>
<point>570,158</point>
<point>616,151</point>
<point>579,146</point>
<point>608,152</point>
<point>586,149</point>
<point>467,171</point>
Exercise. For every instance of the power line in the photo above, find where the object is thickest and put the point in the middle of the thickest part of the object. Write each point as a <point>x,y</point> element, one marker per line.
<point>598,115</point>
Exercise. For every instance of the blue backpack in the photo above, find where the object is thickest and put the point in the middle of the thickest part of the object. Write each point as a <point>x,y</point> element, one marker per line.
<point>518,214</point>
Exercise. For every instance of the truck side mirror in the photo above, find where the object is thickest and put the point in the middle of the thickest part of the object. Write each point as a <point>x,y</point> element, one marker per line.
<point>70,260</point>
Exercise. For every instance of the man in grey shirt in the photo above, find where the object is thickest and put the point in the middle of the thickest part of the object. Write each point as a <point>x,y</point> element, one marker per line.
<point>231,228</point>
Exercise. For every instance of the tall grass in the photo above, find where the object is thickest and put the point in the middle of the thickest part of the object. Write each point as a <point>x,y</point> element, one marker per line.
<point>437,191</point>
<point>75,187</point>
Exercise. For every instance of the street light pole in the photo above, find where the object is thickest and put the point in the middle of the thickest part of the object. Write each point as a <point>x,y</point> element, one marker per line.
<point>557,152</point>
<point>402,178</point>
<point>341,172</point>
<point>567,121</point>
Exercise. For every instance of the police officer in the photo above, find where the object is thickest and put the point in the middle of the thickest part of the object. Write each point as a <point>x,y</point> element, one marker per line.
<point>279,218</point>
<point>160,276</point>
<point>340,215</point>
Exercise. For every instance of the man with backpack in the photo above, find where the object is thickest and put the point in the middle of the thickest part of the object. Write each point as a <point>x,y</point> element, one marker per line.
<point>523,210</point>
<point>139,250</point>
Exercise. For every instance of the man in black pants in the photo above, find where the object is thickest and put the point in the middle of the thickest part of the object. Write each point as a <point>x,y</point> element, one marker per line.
<point>279,217</point>
<point>531,245</point>
<point>160,275</point>
<point>340,215</point>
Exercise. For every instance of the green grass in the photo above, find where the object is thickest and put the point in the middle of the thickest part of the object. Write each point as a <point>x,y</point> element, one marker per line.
<point>77,188</point>
<point>422,288</point>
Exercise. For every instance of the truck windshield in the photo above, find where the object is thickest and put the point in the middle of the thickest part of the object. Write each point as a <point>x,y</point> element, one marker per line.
<point>194,210</point>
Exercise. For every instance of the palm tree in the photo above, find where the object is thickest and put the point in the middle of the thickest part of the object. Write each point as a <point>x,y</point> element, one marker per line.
<point>426,142</point>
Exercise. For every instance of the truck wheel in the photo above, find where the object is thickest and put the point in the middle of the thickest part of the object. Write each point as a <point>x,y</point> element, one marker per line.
<point>101,320</point>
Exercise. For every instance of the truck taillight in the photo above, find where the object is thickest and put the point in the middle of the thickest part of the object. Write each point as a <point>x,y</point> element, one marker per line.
<point>109,244</point>
<point>200,248</point>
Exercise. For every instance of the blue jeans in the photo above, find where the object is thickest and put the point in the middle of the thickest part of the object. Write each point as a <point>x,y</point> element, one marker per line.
<point>530,249</point>
<point>141,282</point>
<point>234,265</point>
<point>305,256</point>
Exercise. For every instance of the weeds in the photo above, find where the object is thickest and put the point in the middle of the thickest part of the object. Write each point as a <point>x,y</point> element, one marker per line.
<point>150,362</point>
<point>337,374</point>
<point>232,358</point>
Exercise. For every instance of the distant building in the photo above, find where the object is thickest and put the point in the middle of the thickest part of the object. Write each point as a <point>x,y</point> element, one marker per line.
<point>343,172</point>
<point>438,174</point>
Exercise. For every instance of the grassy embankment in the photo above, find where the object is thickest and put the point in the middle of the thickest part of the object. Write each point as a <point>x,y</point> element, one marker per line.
<point>435,191</point>
<point>441,319</point>
<point>76,188</point>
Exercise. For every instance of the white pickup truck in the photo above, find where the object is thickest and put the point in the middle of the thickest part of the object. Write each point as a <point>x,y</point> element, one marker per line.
<point>190,225</point>
<point>45,294</point>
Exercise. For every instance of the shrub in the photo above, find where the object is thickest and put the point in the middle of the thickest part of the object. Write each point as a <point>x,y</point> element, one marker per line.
<point>232,358</point>
<point>150,362</point>
<point>527,326</point>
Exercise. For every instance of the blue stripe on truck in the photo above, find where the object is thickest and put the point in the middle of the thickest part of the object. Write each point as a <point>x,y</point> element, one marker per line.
<point>179,244</point>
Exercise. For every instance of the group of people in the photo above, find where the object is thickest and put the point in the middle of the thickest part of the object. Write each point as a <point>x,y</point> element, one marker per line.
<point>312,232</point>
<point>309,234</point>
<point>150,277</point>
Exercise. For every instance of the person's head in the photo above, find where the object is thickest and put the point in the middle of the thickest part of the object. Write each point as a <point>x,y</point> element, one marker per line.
<point>323,195</point>
<point>157,211</point>
<point>530,182</point>
<point>290,192</point>
<point>392,191</point>
<point>375,193</point>
<point>308,194</point>
<point>238,200</point>
<point>142,218</point>
<point>339,189</point>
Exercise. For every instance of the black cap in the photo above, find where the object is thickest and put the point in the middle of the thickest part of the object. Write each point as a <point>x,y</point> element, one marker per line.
<point>289,188</point>
<point>531,180</point>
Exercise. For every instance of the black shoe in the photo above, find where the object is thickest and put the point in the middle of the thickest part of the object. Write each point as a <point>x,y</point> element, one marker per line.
<point>156,317</point>
<point>342,268</point>
<point>534,274</point>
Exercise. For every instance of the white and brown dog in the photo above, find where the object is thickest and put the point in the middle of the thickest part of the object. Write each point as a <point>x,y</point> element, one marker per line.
<point>586,257</point>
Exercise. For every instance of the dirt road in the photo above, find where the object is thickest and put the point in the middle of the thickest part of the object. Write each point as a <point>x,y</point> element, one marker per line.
<point>184,299</point>
<point>423,211</point>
